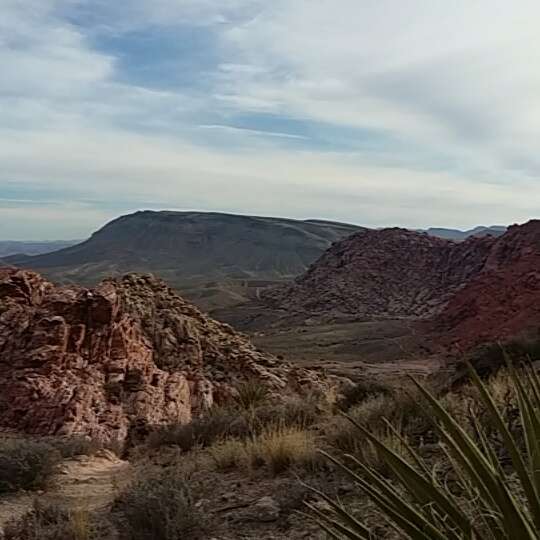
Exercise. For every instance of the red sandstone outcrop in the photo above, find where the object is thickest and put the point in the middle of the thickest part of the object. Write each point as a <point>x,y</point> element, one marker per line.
<point>385,273</point>
<point>126,354</point>
<point>503,300</point>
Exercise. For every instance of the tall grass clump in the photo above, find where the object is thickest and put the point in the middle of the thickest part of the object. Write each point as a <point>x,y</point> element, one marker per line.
<point>281,448</point>
<point>490,500</point>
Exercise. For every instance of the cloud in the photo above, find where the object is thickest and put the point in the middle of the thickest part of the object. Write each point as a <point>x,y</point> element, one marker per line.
<point>291,108</point>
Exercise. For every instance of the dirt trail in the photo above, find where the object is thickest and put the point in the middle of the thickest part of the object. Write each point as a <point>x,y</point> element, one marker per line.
<point>84,482</point>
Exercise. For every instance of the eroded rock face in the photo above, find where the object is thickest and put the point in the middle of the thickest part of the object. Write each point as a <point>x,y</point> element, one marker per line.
<point>385,273</point>
<point>124,355</point>
<point>503,300</point>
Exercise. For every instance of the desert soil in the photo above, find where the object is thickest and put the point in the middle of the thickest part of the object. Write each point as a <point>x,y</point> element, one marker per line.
<point>88,483</point>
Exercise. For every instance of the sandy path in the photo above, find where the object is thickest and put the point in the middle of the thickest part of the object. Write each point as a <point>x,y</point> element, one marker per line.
<point>84,482</point>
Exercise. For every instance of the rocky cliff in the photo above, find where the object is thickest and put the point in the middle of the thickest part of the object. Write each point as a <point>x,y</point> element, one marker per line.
<point>124,355</point>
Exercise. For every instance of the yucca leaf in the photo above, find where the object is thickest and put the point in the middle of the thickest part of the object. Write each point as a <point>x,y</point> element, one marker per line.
<point>392,503</point>
<point>509,442</point>
<point>420,487</point>
<point>347,517</point>
<point>326,523</point>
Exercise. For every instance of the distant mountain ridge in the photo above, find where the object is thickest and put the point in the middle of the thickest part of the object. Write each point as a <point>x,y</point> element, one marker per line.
<point>16,247</point>
<point>190,248</point>
<point>456,234</point>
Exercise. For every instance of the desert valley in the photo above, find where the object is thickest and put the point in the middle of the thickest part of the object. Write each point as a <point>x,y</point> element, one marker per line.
<point>111,363</point>
<point>269,270</point>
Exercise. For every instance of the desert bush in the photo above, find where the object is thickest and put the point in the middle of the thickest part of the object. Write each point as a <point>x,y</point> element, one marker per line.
<point>53,522</point>
<point>251,393</point>
<point>280,448</point>
<point>301,412</point>
<point>494,500</point>
<point>203,431</point>
<point>26,464</point>
<point>360,391</point>
<point>228,454</point>
<point>159,506</point>
<point>402,409</point>
<point>75,445</point>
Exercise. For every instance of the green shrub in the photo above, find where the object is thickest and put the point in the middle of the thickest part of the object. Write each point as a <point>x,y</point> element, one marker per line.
<point>159,506</point>
<point>52,522</point>
<point>26,464</point>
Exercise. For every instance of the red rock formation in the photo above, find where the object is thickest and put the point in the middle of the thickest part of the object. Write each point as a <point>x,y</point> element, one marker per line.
<point>503,300</point>
<point>128,353</point>
<point>477,291</point>
<point>385,273</point>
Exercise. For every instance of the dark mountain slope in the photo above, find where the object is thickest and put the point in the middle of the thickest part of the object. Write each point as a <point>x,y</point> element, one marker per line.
<point>191,248</point>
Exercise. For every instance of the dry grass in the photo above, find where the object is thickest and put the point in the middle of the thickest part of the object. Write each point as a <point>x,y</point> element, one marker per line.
<point>281,448</point>
<point>228,454</point>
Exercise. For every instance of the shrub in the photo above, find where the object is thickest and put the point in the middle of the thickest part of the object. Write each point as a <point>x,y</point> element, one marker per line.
<point>228,454</point>
<point>159,506</point>
<point>26,464</point>
<point>52,522</point>
<point>280,448</point>
<point>251,393</point>
<point>291,412</point>
<point>76,445</point>
<point>203,431</point>
<point>359,392</point>
<point>494,500</point>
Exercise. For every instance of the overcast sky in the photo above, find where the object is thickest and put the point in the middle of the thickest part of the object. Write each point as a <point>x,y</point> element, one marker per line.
<point>387,112</point>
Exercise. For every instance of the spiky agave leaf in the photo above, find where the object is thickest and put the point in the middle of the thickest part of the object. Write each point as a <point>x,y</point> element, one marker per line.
<point>431,511</point>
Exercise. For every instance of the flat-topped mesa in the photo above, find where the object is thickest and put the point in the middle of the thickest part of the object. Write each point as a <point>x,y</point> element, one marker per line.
<point>385,273</point>
<point>127,354</point>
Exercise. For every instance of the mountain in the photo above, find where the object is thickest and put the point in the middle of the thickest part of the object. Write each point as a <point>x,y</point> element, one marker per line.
<point>384,273</point>
<point>14,247</point>
<point>456,234</point>
<point>212,258</point>
<point>483,289</point>
<point>112,361</point>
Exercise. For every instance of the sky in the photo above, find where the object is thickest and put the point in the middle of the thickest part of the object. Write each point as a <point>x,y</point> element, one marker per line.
<point>418,113</point>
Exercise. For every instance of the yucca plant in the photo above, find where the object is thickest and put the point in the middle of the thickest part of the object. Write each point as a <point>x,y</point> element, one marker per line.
<point>495,501</point>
